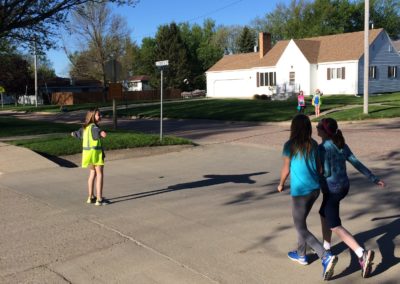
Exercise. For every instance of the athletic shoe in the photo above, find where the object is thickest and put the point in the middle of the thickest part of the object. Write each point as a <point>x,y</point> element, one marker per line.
<point>295,257</point>
<point>366,262</point>
<point>91,199</point>
<point>328,264</point>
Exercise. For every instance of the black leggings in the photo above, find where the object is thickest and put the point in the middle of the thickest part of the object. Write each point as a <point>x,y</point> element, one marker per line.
<point>301,207</point>
<point>330,207</point>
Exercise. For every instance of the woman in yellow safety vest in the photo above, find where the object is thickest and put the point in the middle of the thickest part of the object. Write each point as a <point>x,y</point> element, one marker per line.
<point>93,154</point>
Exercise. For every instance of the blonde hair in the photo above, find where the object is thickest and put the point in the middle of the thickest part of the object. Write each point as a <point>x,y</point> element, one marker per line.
<point>90,117</point>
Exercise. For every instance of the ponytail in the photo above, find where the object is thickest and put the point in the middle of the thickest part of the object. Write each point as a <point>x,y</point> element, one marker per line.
<point>330,126</point>
<point>338,139</point>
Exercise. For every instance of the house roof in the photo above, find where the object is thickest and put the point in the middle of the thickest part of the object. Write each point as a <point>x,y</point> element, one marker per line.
<point>396,45</point>
<point>340,47</point>
<point>139,78</point>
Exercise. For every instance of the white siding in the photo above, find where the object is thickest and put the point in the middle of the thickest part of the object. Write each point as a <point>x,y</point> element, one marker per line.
<point>293,60</point>
<point>347,86</point>
<point>231,84</point>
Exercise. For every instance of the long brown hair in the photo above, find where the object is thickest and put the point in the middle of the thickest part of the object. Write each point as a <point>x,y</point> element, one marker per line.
<point>90,117</point>
<point>330,126</point>
<point>300,136</point>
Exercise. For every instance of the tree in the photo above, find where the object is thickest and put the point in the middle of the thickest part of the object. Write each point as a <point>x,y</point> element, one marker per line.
<point>15,74</point>
<point>246,40</point>
<point>25,20</point>
<point>170,46</point>
<point>102,37</point>
<point>386,14</point>
<point>143,60</point>
<point>226,38</point>
<point>302,19</point>
<point>203,51</point>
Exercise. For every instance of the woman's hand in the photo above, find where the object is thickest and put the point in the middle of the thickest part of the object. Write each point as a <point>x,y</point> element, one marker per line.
<point>281,187</point>
<point>381,183</point>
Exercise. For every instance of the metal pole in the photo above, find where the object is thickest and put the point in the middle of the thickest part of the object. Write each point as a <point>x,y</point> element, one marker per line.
<point>35,67</point>
<point>114,114</point>
<point>366,55</point>
<point>161,108</point>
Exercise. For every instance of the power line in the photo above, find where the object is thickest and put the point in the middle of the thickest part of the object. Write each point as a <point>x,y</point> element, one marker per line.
<point>202,16</point>
<point>214,11</point>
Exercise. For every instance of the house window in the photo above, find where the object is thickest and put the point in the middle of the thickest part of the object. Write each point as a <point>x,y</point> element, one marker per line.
<point>372,72</point>
<point>292,78</point>
<point>392,72</point>
<point>266,79</point>
<point>336,73</point>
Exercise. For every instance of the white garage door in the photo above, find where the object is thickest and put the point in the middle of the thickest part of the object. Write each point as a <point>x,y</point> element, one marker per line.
<point>230,89</point>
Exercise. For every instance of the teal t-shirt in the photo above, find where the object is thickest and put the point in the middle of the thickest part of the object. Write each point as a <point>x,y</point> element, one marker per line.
<point>304,177</point>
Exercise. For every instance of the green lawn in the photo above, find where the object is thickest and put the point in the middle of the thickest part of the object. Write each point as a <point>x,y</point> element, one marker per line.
<point>357,113</point>
<point>60,143</point>
<point>10,126</point>
<point>260,110</point>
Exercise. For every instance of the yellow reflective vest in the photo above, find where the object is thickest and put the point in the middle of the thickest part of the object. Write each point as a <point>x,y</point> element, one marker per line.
<point>92,150</point>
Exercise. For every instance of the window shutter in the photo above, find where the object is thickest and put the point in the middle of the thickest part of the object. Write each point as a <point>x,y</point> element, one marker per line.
<point>328,74</point>
<point>258,79</point>
<point>343,72</point>
<point>395,72</point>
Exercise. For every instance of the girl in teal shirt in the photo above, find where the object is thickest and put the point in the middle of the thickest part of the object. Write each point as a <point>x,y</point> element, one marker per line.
<point>301,162</point>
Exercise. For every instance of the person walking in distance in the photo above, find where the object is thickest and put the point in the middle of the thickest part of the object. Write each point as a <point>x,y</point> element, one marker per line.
<point>301,104</point>
<point>316,102</point>
<point>301,162</point>
<point>93,154</point>
<point>335,185</point>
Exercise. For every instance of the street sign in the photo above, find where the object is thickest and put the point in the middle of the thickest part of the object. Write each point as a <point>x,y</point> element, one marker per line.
<point>162,63</point>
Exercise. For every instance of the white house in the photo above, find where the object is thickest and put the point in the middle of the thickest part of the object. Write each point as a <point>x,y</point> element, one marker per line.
<point>138,83</point>
<point>334,64</point>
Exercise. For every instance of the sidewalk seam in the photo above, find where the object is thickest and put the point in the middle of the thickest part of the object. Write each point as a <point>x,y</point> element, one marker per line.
<point>152,250</point>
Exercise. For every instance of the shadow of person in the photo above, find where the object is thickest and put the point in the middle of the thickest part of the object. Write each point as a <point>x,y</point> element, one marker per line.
<point>209,180</point>
<point>387,233</point>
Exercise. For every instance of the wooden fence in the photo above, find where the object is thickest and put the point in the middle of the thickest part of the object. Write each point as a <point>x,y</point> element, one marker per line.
<point>70,98</point>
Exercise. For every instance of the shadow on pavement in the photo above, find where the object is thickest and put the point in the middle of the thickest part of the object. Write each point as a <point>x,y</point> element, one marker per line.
<point>208,181</point>
<point>387,232</point>
<point>59,161</point>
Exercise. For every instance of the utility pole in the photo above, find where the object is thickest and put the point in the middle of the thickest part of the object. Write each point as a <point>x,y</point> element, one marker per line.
<point>366,55</point>
<point>35,67</point>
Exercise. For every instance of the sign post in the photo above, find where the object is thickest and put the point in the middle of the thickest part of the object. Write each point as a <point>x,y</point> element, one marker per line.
<point>161,65</point>
<point>1,92</point>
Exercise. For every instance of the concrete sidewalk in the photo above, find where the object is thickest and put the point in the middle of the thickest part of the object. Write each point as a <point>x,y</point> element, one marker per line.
<point>208,214</point>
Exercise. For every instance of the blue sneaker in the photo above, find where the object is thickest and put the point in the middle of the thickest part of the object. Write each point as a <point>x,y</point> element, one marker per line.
<point>295,257</point>
<point>328,264</point>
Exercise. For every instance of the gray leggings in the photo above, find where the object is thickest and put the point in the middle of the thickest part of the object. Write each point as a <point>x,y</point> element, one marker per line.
<point>301,207</point>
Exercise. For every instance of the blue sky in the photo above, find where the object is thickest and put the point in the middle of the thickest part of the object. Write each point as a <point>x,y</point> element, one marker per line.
<point>144,19</point>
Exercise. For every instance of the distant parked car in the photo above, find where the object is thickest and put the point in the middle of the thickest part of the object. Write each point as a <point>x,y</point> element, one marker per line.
<point>193,94</point>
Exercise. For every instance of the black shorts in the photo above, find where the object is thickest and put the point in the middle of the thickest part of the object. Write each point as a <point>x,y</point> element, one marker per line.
<point>330,207</point>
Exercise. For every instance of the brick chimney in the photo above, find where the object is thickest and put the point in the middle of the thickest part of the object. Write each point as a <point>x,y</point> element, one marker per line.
<point>264,43</point>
